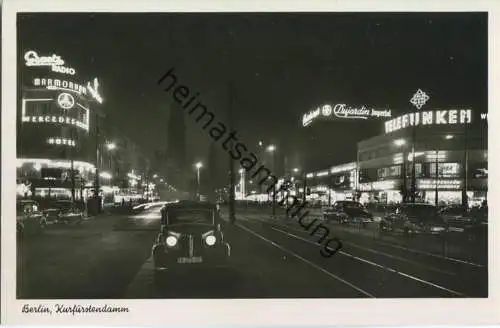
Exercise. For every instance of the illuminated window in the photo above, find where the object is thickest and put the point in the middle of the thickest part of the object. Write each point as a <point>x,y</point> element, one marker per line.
<point>418,169</point>
<point>446,170</point>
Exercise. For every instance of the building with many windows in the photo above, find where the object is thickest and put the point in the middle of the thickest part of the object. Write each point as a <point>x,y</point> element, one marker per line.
<point>434,156</point>
<point>54,127</point>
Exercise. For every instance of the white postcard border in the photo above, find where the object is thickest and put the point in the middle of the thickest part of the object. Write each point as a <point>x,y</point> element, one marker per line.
<point>252,312</point>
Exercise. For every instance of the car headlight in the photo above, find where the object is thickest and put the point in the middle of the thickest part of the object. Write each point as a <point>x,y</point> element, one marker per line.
<point>210,240</point>
<point>171,241</point>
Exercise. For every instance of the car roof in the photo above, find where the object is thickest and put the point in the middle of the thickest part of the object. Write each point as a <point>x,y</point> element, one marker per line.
<point>417,205</point>
<point>26,201</point>
<point>191,204</point>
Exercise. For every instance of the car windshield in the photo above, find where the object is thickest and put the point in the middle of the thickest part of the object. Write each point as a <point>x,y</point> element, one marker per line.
<point>190,216</point>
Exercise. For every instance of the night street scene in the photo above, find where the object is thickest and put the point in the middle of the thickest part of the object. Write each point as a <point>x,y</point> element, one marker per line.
<point>252,155</point>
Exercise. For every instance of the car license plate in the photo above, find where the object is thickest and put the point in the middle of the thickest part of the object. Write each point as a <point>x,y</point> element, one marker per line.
<point>189,260</point>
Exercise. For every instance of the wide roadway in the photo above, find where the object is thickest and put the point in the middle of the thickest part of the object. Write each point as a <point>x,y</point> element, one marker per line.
<point>109,257</point>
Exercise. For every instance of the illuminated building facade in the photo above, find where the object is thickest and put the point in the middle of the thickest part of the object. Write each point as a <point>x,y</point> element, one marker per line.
<point>442,152</point>
<point>334,184</point>
<point>54,128</point>
<point>424,154</point>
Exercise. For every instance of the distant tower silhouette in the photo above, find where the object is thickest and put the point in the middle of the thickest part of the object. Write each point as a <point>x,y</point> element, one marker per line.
<point>176,148</point>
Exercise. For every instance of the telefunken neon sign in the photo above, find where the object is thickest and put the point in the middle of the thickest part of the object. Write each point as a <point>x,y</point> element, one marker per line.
<point>443,117</point>
<point>54,61</point>
<point>345,112</point>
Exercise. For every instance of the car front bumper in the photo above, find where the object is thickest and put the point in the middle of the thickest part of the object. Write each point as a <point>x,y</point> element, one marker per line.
<point>172,259</point>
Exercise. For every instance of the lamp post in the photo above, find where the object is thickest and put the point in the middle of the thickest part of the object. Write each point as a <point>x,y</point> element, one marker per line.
<point>401,143</point>
<point>271,149</point>
<point>465,168</point>
<point>242,183</point>
<point>198,166</point>
<point>97,164</point>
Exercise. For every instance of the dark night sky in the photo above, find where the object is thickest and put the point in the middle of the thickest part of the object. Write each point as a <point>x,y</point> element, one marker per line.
<point>282,66</point>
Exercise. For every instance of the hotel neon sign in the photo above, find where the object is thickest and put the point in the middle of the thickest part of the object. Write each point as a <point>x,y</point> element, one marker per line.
<point>437,117</point>
<point>61,141</point>
<point>344,111</point>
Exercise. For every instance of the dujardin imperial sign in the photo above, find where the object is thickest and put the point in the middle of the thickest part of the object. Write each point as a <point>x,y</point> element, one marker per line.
<point>344,111</point>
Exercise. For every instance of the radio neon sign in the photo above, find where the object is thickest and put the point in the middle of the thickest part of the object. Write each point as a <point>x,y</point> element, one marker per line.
<point>54,61</point>
<point>443,117</point>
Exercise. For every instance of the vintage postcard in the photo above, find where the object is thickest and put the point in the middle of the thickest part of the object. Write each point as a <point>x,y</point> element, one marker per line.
<point>227,163</point>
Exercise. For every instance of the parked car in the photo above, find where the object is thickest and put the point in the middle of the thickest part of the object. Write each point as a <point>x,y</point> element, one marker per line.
<point>413,218</point>
<point>63,211</point>
<point>457,217</point>
<point>29,218</point>
<point>190,237</point>
<point>348,211</point>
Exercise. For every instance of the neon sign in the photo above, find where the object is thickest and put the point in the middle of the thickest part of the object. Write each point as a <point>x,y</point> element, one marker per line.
<point>65,85</point>
<point>441,184</point>
<point>443,117</point>
<point>54,61</point>
<point>57,84</point>
<point>93,89</point>
<point>378,185</point>
<point>61,141</point>
<point>419,99</point>
<point>344,111</point>
<point>54,119</point>
<point>57,119</point>
<point>65,101</point>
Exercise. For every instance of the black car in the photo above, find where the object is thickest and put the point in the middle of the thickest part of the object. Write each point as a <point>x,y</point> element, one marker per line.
<point>348,212</point>
<point>190,237</point>
<point>63,211</point>
<point>29,218</point>
<point>414,218</point>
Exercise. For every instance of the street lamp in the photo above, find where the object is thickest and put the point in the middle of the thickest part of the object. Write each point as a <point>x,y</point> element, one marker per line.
<point>295,170</point>
<point>271,149</point>
<point>198,166</point>
<point>111,146</point>
<point>402,143</point>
